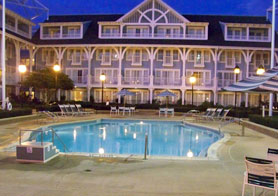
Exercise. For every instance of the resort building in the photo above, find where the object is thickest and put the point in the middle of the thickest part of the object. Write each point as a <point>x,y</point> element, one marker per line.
<point>147,50</point>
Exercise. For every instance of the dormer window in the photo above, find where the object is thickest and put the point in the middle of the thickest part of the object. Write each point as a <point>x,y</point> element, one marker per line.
<point>10,23</point>
<point>168,32</point>
<point>62,31</point>
<point>110,31</point>
<point>195,32</point>
<point>23,28</point>
<point>71,31</point>
<point>258,34</point>
<point>51,32</point>
<point>236,33</point>
<point>138,31</point>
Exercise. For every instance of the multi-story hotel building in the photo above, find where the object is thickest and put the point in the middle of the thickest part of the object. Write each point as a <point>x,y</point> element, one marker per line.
<point>147,50</point>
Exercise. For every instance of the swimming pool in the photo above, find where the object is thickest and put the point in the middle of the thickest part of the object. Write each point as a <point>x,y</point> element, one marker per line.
<point>127,137</point>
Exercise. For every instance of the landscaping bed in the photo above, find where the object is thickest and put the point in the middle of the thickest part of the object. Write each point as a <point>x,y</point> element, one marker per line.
<point>266,121</point>
<point>15,112</point>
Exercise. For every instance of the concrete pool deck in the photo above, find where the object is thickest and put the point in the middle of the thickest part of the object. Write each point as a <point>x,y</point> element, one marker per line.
<point>78,175</point>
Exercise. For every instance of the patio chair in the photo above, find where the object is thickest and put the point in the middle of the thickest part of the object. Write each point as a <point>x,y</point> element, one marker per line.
<point>121,109</point>
<point>132,110</point>
<point>260,173</point>
<point>216,114</point>
<point>50,115</point>
<point>74,110</point>
<point>82,110</point>
<point>223,115</point>
<point>208,114</point>
<point>171,111</point>
<point>63,110</point>
<point>163,111</point>
<point>113,110</point>
<point>68,110</point>
<point>272,154</point>
<point>127,109</point>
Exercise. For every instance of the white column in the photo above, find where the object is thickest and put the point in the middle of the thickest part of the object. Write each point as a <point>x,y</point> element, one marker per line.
<point>17,57</point>
<point>89,79</point>
<point>59,95</point>
<point>215,77</point>
<point>151,96</point>
<point>247,61</point>
<point>182,97</point>
<point>183,68</point>
<point>119,97</point>
<point>273,36</point>
<point>270,104</point>
<point>246,100</point>
<point>3,54</point>
<point>120,67</point>
<point>152,57</point>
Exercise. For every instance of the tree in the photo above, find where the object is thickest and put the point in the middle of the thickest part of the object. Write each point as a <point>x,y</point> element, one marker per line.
<point>45,80</point>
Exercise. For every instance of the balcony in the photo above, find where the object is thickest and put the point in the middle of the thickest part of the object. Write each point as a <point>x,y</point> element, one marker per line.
<point>169,36</point>
<point>137,35</point>
<point>51,35</point>
<point>225,82</point>
<point>79,80</point>
<point>72,35</point>
<point>109,80</point>
<point>200,82</point>
<point>162,81</point>
<point>134,81</point>
<point>110,35</point>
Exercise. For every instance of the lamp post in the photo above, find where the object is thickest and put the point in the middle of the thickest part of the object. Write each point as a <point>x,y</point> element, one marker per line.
<point>192,81</point>
<point>22,70</point>
<point>102,79</point>
<point>260,71</point>
<point>236,72</point>
<point>57,69</point>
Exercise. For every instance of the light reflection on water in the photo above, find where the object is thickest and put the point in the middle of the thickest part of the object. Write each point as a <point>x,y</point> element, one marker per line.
<point>128,137</point>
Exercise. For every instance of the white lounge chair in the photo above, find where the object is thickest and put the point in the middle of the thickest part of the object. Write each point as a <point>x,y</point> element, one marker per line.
<point>113,110</point>
<point>127,110</point>
<point>223,115</point>
<point>260,173</point>
<point>63,110</point>
<point>132,110</point>
<point>163,111</point>
<point>82,110</point>
<point>171,111</point>
<point>216,114</point>
<point>74,110</point>
<point>50,115</point>
<point>68,110</point>
<point>121,109</point>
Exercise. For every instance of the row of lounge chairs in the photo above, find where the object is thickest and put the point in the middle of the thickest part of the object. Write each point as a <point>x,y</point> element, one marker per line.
<point>166,111</point>
<point>66,111</point>
<point>123,110</point>
<point>261,173</point>
<point>214,114</point>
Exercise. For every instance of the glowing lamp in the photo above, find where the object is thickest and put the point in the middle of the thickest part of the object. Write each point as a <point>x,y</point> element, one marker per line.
<point>22,68</point>
<point>237,70</point>
<point>261,70</point>
<point>57,68</point>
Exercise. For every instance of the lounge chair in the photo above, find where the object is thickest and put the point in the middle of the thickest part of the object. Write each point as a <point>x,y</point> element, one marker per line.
<point>63,110</point>
<point>216,114</point>
<point>171,111</point>
<point>260,173</point>
<point>163,111</point>
<point>207,115</point>
<point>121,109</point>
<point>74,110</point>
<point>82,110</point>
<point>113,110</point>
<point>223,115</point>
<point>127,109</point>
<point>50,115</point>
<point>68,110</point>
<point>132,110</point>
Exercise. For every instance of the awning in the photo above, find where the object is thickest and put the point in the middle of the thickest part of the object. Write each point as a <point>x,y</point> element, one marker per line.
<point>266,82</point>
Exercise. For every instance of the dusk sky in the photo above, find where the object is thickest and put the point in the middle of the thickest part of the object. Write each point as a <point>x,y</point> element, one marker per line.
<point>226,7</point>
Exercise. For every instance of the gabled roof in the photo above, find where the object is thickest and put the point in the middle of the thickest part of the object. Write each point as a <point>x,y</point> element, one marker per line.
<point>153,7</point>
<point>216,36</point>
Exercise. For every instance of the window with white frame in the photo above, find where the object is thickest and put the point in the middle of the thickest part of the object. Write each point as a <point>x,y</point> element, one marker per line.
<point>195,32</point>
<point>48,56</point>
<point>168,56</point>
<point>51,32</point>
<point>72,31</point>
<point>230,58</point>
<point>10,53</point>
<point>167,76</point>
<point>199,57</point>
<point>226,99</point>
<point>137,31</point>
<point>106,56</point>
<point>111,75</point>
<point>136,56</point>
<point>236,33</point>
<point>76,56</point>
<point>111,31</point>
<point>203,78</point>
<point>136,76</point>
<point>226,78</point>
<point>260,58</point>
<point>198,98</point>
<point>171,32</point>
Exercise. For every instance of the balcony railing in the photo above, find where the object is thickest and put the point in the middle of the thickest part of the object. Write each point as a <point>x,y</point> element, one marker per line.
<point>162,81</point>
<point>109,80</point>
<point>258,38</point>
<point>112,34</point>
<point>51,36</point>
<point>225,82</point>
<point>164,35</point>
<point>137,35</point>
<point>79,80</point>
<point>195,36</point>
<point>135,81</point>
<point>25,34</point>
<point>200,82</point>
<point>72,35</point>
<point>237,37</point>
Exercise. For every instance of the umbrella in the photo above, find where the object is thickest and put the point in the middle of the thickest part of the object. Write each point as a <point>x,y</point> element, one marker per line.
<point>166,94</point>
<point>124,93</point>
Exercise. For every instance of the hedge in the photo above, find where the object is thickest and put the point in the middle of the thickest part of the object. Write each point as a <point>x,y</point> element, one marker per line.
<point>15,113</point>
<point>266,121</point>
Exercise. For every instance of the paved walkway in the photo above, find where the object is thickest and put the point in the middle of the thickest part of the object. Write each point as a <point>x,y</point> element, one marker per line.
<point>74,175</point>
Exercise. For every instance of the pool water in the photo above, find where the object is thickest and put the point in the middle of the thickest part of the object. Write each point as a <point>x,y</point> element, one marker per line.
<point>127,137</point>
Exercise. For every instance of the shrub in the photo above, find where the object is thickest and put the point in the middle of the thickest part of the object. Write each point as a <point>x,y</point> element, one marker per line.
<point>15,112</point>
<point>266,121</point>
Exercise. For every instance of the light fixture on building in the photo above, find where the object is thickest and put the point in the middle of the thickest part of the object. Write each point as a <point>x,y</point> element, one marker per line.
<point>22,69</point>
<point>260,70</point>
<point>56,68</point>
<point>237,70</point>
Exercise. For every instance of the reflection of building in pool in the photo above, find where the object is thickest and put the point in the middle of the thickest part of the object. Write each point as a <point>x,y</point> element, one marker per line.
<point>145,53</point>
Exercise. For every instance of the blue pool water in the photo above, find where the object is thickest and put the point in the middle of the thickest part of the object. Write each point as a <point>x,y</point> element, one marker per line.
<point>128,137</point>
